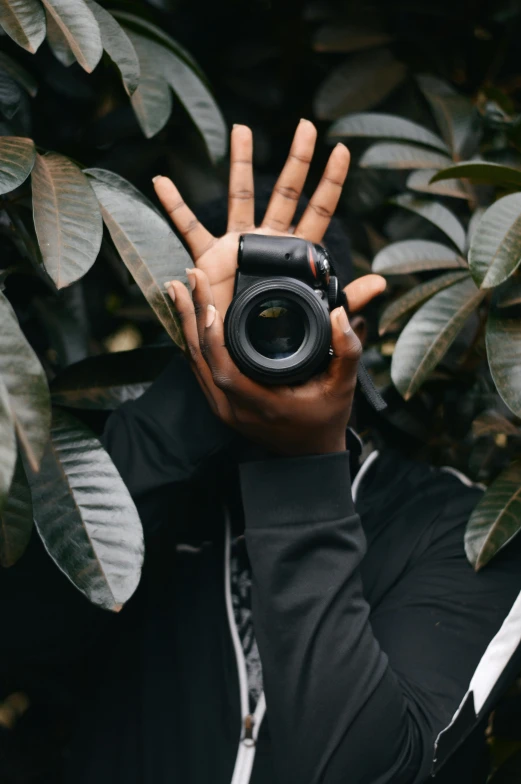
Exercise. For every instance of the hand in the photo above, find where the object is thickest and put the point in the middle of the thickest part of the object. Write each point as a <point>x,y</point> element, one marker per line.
<point>310,418</point>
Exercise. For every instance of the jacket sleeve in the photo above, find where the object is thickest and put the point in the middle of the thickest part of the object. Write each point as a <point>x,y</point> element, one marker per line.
<point>354,696</point>
<point>163,440</point>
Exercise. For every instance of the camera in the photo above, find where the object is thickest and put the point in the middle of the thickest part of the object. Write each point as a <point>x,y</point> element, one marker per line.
<point>277,328</point>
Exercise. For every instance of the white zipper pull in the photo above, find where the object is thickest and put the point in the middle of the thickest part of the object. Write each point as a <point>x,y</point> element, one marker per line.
<point>249,723</point>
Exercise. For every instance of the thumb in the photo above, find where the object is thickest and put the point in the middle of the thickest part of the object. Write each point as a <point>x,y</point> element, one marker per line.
<point>347,351</point>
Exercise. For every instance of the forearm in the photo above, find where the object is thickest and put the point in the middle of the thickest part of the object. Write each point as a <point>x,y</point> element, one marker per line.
<point>335,707</point>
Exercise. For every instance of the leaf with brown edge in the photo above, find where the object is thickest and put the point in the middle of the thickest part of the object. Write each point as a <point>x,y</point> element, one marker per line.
<point>118,46</point>
<point>415,297</point>
<point>491,423</point>
<point>429,334</point>
<point>7,445</point>
<point>85,515</point>
<point>24,22</point>
<point>58,43</point>
<point>145,242</point>
<point>496,520</point>
<point>422,181</point>
<point>17,157</point>
<point>503,339</point>
<point>385,126</point>
<point>393,155</point>
<point>67,218</point>
<point>79,28</point>
<point>26,384</point>
<point>407,256</point>
<point>495,248</point>
<point>16,519</point>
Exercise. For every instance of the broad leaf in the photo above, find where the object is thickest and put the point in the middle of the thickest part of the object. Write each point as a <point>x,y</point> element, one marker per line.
<point>421,181</point>
<point>24,22</point>
<point>358,84</point>
<point>416,256</point>
<point>388,155</point>
<point>26,385</point>
<point>85,516</point>
<point>385,126</point>
<point>118,46</point>
<point>58,43</point>
<point>495,249</point>
<point>188,87</point>
<point>19,74</point>
<point>429,334</point>
<point>17,156</point>
<point>496,519</point>
<point>106,381</point>
<point>347,38</point>
<point>152,100</point>
<point>504,356</point>
<point>437,214</point>
<point>149,30</point>
<point>66,217</point>
<point>80,28</point>
<point>482,172</point>
<point>145,242</point>
<point>10,95</point>
<point>16,519</point>
<point>454,113</point>
<point>415,297</point>
<point>7,445</point>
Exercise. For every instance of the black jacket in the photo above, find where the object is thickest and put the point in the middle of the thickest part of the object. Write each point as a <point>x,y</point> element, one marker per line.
<point>370,622</point>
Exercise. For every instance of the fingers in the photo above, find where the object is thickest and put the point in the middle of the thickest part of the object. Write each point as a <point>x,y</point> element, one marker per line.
<point>288,188</point>
<point>241,212</point>
<point>197,237</point>
<point>361,291</point>
<point>340,377</point>
<point>317,215</point>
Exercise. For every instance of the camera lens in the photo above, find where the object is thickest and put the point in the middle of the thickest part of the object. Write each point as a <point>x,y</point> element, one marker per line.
<point>276,328</point>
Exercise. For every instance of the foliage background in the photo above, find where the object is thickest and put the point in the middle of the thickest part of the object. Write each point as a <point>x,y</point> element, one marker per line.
<point>267,64</point>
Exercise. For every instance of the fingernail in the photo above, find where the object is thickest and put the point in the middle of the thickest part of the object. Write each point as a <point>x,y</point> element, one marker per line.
<point>192,280</point>
<point>210,316</point>
<point>171,292</point>
<point>343,321</point>
<point>157,177</point>
<point>167,284</point>
<point>235,125</point>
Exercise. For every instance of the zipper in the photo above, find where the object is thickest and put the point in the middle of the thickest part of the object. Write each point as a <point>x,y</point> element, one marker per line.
<point>250,723</point>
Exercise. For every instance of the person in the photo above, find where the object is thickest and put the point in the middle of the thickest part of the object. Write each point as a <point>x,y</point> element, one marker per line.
<point>303,616</point>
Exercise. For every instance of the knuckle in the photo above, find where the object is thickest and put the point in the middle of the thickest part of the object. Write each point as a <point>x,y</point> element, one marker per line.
<point>300,158</point>
<point>242,195</point>
<point>177,206</point>
<point>287,192</point>
<point>221,381</point>
<point>320,210</point>
<point>190,226</point>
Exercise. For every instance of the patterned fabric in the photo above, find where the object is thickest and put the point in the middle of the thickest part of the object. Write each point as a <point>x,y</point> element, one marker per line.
<point>241,600</point>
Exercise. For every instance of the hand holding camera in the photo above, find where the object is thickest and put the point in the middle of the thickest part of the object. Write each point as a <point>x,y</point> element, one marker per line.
<point>282,369</point>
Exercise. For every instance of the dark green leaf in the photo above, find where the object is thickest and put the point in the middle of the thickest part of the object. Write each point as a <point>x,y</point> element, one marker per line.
<point>429,334</point>
<point>385,126</point>
<point>347,38</point>
<point>16,519</point>
<point>85,516</point>
<point>118,46</point>
<point>19,74</point>
<point>495,249</point>
<point>10,95</point>
<point>80,29</point>
<point>7,445</point>
<point>421,181</point>
<point>26,385</point>
<point>145,241</point>
<point>504,356</point>
<point>17,156</point>
<point>58,43</point>
<point>106,381</point>
<point>358,84</point>
<point>66,217</point>
<point>437,214</point>
<point>415,256</point>
<point>388,155</point>
<point>24,22</point>
<point>496,519</point>
<point>482,172</point>
<point>152,100</point>
<point>454,113</point>
<point>416,296</point>
<point>188,87</point>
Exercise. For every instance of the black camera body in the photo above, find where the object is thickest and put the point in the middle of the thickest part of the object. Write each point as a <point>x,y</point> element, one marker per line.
<point>277,328</point>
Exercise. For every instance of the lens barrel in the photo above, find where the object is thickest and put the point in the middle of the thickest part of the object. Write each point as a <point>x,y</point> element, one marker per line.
<point>278,330</point>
